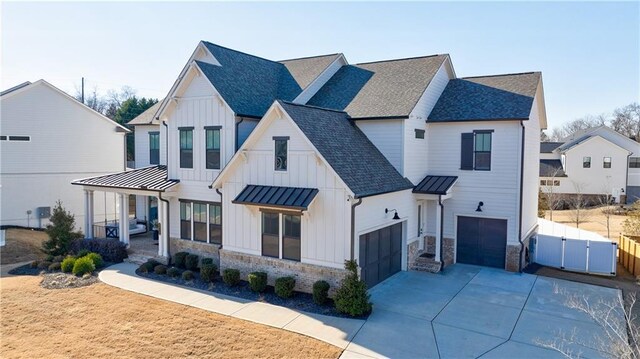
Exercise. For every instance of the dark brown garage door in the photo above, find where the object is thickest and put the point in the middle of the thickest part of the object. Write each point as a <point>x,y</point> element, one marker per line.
<point>381,254</point>
<point>481,241</point>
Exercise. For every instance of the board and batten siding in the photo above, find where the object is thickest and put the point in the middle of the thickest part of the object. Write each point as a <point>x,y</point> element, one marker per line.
<point>325,226</point>
<point>142,152</point>
<point>497,188</point>
<point>387,136</point>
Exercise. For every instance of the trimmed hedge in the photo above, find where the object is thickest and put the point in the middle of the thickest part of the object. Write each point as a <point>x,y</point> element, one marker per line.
<point>82,266</point>
<point>173,272</point>
<point>231,277</point>
<point>160,269</point>
<point>179,258</point>
<point>191,262</point>
<point>320,292</point>
<point>284,287</point>
<point>187,275</point>
<point>206,261</point>
<point>111,250</point>
<point>208,272</point>
<point>82,253</point>
<point>67,264</point>
<point>257,281</point>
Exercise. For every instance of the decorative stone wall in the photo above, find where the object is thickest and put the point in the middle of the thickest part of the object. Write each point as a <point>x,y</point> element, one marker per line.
<point>513,255</point>
<point>448,248</point>
<point>202,249</point>
<point>412,253</point>
<point>304,273</point>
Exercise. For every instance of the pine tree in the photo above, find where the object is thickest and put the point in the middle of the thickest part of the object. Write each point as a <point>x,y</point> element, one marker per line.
<point>61,231</point>
<point>352,297</point>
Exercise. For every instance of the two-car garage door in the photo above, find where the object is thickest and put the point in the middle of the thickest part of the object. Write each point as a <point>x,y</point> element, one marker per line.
<point>380,254</point>
<point>481,241</point>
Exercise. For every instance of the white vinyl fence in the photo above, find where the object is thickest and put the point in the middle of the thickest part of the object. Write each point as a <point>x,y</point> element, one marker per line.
<point>572,249</point>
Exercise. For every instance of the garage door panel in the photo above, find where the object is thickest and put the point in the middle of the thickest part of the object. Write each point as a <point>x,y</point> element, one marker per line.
<point>481,241</point>
<point>381,254</point>
<point>396,232</point>
<point>385,242</point>
<point>372,247</point>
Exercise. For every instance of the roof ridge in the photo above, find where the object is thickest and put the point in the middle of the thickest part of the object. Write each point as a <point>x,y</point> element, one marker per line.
<point>310,57</point>
<point>313,107</point>
<point>499,75</point>
<point>401,59</point>
<point>242,52</point>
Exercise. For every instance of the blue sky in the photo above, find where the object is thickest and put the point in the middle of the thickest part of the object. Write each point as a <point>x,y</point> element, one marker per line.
<point>588,52</point>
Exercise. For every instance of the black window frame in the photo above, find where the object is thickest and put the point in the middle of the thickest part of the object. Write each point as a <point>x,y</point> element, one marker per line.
<point>634,162</point>
<point>605,163</point>
<point>586,163</point>
<point>215,229</point>
<point>278,227</point>
<point>280,161</point>
<point>419,134</point>
<point>199,226</point>
<point>291,236</point>
<point>484,151</point>
<point>186,148</point>
<point>270,231</point>
<point>212,154</point>
<point>185,223</point>
<point>3,138</point>
<point>154,151</point>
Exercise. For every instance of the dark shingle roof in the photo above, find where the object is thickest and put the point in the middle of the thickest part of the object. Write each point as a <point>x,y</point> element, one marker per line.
<point>551,168</point>
<point>435,184</point>
<point>275,196</point>
<point>146,118</point>
<point>501,97</point>
<point>349,152</point>
<point>249,84</point>
<point>548,147</point>
<point>379,89</point>
<point>152,178</point>
<point>307,69</point>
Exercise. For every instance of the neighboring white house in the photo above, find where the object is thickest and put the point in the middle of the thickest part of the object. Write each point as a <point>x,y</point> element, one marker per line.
<point>596,161</point>
<point>48,139</point>
<point>293,167</point>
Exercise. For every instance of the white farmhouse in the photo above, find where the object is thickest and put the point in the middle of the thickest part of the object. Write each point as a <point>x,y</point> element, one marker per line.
<point>594,162</point>
<point>293,167</point>
<point>48,139</point>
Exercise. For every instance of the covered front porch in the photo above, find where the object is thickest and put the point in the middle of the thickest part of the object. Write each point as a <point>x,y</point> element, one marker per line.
<point>148,182</point>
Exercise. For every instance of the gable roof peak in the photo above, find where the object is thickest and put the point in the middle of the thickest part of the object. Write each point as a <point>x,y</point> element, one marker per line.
<point>238,51</point>
<point>312,57</point>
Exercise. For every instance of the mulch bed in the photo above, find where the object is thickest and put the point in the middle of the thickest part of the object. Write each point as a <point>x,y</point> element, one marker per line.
<point>299,301</point>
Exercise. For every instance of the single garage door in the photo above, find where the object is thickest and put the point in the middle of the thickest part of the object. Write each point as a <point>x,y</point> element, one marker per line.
<point>481,241</point>
<point>381,254</point>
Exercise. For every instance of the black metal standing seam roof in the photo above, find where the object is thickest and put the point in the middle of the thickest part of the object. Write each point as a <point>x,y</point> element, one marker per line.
<point>548,147</point>
<point>435,184</point>
<point>152,178</point>
<point>275,196</point>
<point>353,157</point>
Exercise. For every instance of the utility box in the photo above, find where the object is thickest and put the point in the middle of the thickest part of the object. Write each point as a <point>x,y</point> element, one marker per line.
<point>43,212</point>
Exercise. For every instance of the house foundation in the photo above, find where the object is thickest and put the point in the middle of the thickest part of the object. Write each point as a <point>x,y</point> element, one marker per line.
<point>202,249</point>
<point>448,248</point>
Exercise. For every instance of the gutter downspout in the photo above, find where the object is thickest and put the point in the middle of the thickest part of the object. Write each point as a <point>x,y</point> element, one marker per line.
<point>220,193</point>
<point>626,181</point>
<point>441,231</point>
<point>353,226</point>
<point>166,144</point>
<point>521,197</point>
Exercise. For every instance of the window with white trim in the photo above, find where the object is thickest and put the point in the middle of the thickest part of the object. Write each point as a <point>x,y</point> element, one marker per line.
<point>201,221</point>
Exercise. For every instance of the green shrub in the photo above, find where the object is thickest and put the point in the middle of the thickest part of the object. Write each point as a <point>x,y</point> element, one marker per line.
<point>173,272</point>
<point>152,262</point>
<point>191,262</point>
<point>61,232</point>
<point>208,272</point>
<point>320,292</point>
<point>160,269</point>
<point>143,268</point>
<point>284,286</point>
<point>55,266</point>
<point>49,258</point>
<point>231,277</point>
<point>187,275</point>
<point>82,253</point>
<point>44,265</point>
<point>96,259</point>
<point>83,265</point>
<point>34,264</point>
<point>67,264</point>
<point>352,297</point>
<point>257,281</point>
<point>179,258</point>
<point>206,261</point>
<point>149,265</point>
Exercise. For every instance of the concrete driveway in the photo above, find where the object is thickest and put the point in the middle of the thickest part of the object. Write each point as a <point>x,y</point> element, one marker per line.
<point>472,312</point>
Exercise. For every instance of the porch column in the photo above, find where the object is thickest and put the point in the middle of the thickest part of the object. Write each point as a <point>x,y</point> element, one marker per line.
<point>87,215</point>
<point>438,231</point>
<point>91,215</point>
<point>123,223</point>
<point>163,228</point>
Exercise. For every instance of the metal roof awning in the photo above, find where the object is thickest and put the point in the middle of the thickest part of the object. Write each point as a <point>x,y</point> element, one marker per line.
<point>274,196</point>
<point>152,178</point>
<point>439,185</point>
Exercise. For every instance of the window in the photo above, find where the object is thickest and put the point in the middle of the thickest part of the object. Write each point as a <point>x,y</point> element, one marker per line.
<point>419,133</point>
<point>3,138</point>
<point>154,148</point>
<point>186,147</point>
<point>200,222</point>
<point>482,151</point>
<point>543,182</point>
<point>556,182</point>
<point>132,206</point>
<point>606,162</point>
<point>185,220</point>
<point>586,162</point>
<point>291,237</point>
<point>15,138</point>
<point>270,234</point>
<point>634,162</point>
<point>281,153</point>
<point>212,147</point>
<point>549,182</point>
<point>215,223</point>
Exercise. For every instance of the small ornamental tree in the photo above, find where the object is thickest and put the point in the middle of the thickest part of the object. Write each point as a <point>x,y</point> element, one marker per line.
<point>352,297</point>
<point>61,231</point>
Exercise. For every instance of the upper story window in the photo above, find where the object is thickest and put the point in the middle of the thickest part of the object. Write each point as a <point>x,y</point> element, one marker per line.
<point>15,138</point>
<point>186,147</point>
<point>634,162</point>
<point>212,140</point>
<point>476,150</point>
<point>154,148</point>
<point>419,133</point>
<point>606,162</point>
<point>586,162</point>
<point>281,144</point>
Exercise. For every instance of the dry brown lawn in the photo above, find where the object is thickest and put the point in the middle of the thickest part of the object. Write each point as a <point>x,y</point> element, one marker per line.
<point>595,221</point>
<point>105,322</point>
<point>22,245</point>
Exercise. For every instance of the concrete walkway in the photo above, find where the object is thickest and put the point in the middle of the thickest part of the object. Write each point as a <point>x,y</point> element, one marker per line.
<point>333,330</point>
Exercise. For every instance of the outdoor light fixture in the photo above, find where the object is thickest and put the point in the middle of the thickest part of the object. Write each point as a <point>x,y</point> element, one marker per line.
<point>480,204</point>
<point>395,216</point>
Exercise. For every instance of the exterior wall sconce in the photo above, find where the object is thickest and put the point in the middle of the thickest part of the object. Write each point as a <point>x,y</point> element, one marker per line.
<point>395,216</point>
<point>480,204</point>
